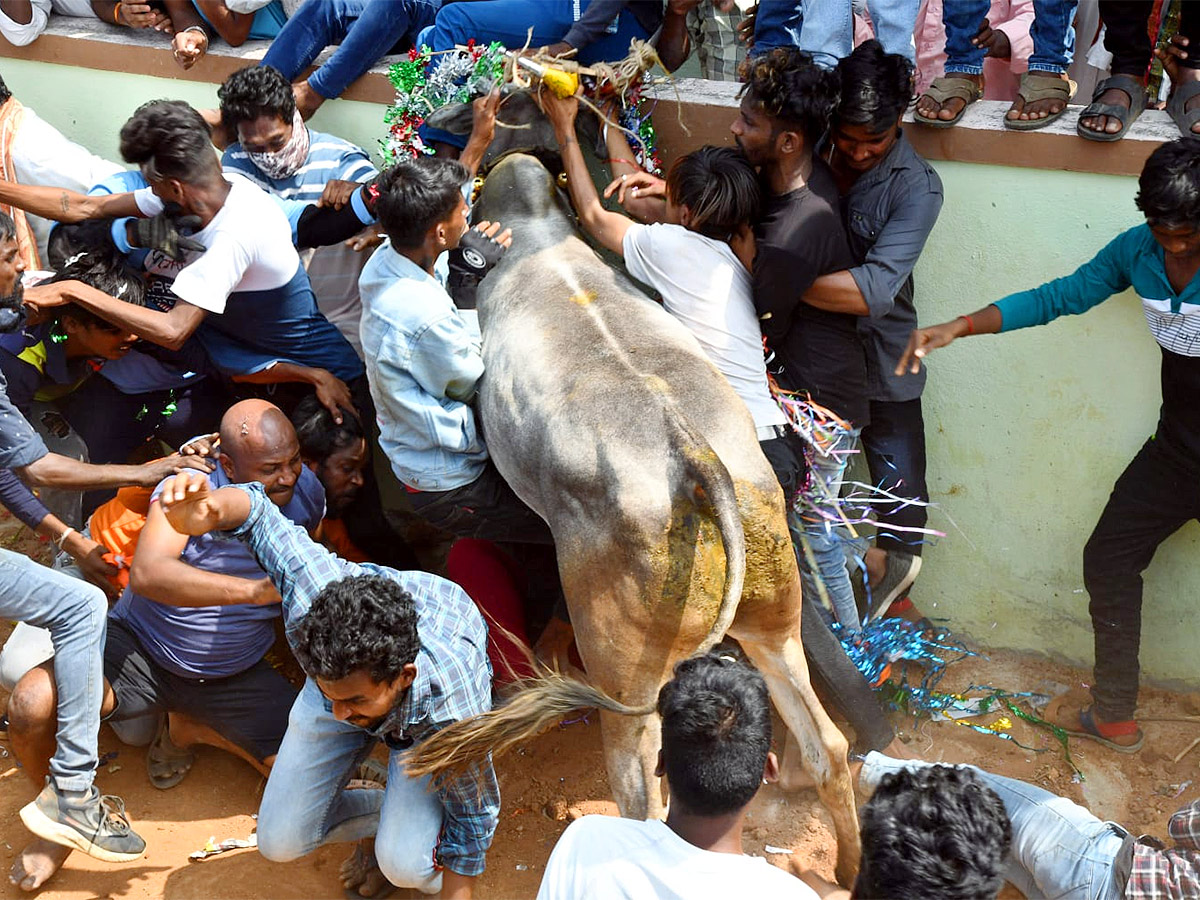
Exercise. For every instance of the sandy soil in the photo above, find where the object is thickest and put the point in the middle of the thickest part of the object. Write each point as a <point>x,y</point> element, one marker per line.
<point>561,774</point>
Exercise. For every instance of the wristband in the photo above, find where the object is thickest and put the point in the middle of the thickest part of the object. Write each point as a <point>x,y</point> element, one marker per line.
<point>201,29</point>
<point>970,324</point>
<point>117,13</point>
<point>62,538</point>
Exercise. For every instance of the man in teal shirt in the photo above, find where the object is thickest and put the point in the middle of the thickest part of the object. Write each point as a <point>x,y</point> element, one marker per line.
<point>1160,489</point>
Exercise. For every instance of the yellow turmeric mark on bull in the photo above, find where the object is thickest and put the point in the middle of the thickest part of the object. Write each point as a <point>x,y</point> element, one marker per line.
<point>583,298</point>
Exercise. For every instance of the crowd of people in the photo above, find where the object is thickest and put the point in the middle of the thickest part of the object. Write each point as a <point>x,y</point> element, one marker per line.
<point>260,296</point>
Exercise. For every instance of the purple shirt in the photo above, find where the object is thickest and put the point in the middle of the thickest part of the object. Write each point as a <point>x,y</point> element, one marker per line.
<point>216,641</point>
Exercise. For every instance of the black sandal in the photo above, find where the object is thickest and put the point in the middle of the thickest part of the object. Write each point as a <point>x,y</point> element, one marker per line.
<point>1184,118</point>
<point>1127,84</point>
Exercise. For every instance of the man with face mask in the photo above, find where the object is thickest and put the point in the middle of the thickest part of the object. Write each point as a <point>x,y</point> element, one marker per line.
<point>275,149</point>
<point>184,655</point>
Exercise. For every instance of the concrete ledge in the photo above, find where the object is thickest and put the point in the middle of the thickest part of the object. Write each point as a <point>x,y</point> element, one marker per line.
<point>707,108</point>
<point>91,44</point>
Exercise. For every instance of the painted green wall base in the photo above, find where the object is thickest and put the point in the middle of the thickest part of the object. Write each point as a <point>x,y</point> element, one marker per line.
<point>1027,432</point>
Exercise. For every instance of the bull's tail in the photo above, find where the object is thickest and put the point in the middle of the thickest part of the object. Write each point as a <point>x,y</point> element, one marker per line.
<point>541,701</point>
<point>535,705</point>
<point>714,483</point>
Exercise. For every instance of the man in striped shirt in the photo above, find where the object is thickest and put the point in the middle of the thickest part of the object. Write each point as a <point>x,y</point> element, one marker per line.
<point>283,156</point>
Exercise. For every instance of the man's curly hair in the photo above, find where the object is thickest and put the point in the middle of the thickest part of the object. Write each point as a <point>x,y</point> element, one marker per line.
<point>788,86</point>
<point>254,92</point>
<point>933,832</point>
<point>360,623</point>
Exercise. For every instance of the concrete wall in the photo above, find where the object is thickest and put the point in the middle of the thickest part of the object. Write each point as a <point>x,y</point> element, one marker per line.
<point>1027,431</point>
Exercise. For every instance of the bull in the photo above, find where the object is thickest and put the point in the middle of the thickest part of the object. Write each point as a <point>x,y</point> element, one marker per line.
<point>607,419</point>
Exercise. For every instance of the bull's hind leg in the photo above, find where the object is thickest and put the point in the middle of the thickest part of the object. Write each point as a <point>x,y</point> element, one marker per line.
<point>824,747</point>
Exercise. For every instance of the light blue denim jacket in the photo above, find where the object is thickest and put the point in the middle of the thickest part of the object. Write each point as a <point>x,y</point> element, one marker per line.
<point>423,362</point>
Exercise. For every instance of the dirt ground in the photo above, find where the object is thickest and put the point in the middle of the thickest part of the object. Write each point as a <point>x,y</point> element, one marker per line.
<point>561,774</point>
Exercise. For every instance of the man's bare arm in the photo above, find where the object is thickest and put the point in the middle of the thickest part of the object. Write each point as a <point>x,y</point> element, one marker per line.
<point>63,205</point>
<point>169,329</point>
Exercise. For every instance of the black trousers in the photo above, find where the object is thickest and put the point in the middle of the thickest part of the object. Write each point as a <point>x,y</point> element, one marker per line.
<point>1126,36</point>
<point>1156,494</point>
<point>894,444</point>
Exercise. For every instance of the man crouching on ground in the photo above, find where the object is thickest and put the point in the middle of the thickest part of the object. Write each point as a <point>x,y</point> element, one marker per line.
<point>391,656</point>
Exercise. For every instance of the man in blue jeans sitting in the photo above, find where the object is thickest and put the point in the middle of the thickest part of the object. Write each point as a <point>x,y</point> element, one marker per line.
<point>391,656</point>
<point>365,31</point>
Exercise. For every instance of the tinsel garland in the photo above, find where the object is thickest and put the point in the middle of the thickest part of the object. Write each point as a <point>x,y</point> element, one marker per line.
<point>426,82</point>
<point>883,642</point>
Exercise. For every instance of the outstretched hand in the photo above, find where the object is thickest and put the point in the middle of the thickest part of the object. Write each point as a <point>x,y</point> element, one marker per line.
<point>637,185</point>
<point>187,501</point>
<point>924,340</point>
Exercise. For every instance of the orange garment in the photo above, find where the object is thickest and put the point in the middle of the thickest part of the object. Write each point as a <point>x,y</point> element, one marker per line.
<point>12,113</point>
<point>332,533</point>
<point>118,524</point>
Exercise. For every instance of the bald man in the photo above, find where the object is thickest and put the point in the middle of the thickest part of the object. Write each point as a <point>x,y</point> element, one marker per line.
<point>183,660</point>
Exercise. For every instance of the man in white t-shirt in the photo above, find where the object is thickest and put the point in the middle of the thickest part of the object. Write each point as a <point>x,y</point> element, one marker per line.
<point>691,262</point>
<point>716,752</point>
<point>246,297</point>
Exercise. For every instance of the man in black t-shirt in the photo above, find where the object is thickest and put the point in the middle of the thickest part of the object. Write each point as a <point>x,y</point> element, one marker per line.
<point>785,108</point>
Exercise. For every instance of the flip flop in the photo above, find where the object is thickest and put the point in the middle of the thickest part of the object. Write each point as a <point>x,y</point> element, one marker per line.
<point>946,88</point>
<point>166,764</point>
<point>1127,84</point>
<point>1040,86</point>
<point>1091,732</point>
<point>1183,118</point>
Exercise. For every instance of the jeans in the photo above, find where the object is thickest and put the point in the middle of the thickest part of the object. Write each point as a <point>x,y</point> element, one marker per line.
<point>825,28</point>
<point>825,539</point>
<point>508,21</point>
<point>1156,494</point>
<point>894,444</point>
<point>365,29</point>
<point>306,803</point>
<point>1060,851</point>
<point>962,20</point>
<point>75,613</point>
<point>1127,38</point>
<point>1053,36</point>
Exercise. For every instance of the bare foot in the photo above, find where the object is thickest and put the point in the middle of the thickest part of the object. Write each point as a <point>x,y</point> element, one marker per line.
<point>36,864</point>
<point>1039,109</point>
<point>876,562</point>
<point>1107,124</point>
<point>308,101</point>
<point>361,871</point>
<point>928,108</point>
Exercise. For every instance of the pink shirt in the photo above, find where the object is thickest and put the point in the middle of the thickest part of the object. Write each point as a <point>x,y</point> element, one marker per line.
<point>1000,76</point>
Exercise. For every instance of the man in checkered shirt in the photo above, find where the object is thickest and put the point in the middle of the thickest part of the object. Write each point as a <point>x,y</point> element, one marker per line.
<point>391,656</point>
<point>1061,850</point>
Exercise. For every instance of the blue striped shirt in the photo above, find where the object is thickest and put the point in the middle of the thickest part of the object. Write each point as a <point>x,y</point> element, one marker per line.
<point>329,157</point>
<point>454,677</point>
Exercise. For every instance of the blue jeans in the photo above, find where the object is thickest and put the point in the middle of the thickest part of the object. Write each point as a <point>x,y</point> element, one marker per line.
<point>1060,851</point>
<point>961,20</point>
<point>825,28</point>
<point>894,445</point>
<point>826,540</point>
<point>75,613</point>
<point>1053,34</point>
<point>306,803</point>
<point>365,29</point>
<point>508,21</point>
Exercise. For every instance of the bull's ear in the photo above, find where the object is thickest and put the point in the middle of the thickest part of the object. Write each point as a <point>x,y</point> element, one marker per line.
<point>455,118</point>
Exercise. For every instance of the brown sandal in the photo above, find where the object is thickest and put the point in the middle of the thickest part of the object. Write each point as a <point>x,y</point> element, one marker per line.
<point>1040,86</point>
<point>945,88</point>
